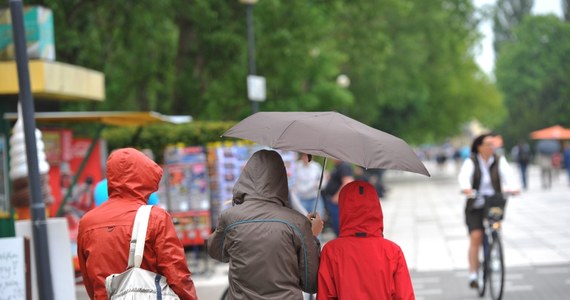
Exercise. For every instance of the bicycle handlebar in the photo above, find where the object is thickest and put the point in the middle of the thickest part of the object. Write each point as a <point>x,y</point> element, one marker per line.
<point>475,193</point>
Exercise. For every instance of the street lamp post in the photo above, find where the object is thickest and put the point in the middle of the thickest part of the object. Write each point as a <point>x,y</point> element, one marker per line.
<point>250,44</point>
<point>39,224</point>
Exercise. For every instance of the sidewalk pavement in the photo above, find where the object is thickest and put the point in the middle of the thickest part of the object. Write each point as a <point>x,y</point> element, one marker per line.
<point>424,216</point>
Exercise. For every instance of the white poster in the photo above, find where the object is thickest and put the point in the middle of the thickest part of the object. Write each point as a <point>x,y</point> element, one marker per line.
<point>12,268</point>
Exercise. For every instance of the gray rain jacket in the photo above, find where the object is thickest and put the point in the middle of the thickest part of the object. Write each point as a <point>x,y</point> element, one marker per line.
<point>270,247</point>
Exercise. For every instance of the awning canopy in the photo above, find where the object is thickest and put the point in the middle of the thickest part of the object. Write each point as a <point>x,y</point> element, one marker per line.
<point>118,118</point>
<point>551,133</point>
<point>55,80</point>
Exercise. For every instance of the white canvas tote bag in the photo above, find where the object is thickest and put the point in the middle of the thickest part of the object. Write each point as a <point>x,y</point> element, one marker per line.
<point>137,283</point>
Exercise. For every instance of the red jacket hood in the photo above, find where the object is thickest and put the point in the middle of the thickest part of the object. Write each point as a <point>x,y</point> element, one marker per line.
<point>132,175</point>
<point>360,210</point>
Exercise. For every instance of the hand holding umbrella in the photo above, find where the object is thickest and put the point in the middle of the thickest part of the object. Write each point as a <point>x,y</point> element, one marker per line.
<point>317,223</point>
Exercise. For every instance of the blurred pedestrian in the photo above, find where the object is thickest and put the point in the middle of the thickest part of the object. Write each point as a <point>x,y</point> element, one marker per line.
<point>306,187</point>
<point>566,159</point>
<point>522,155</point>
<point>361,263</point>
<point>375,178</point>
<point>105,231</point>
<point>484,175</point>
<point>556,165</point>
<point>272,249</point>
<point>544,161</point>
<point>339,177</point>
<point>441,159</point>
<point>544,150</point>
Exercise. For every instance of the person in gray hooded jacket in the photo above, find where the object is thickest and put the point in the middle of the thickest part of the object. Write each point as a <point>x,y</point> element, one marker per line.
<point>272,249</point>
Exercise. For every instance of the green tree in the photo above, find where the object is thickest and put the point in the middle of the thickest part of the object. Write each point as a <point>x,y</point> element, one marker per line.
<point>413,73</point>
<point>537,93</point>
<point>113,37</point>
<point>190,57</point>
<point>566,9</point>
<point>508,14</point>
<point>410,61</point>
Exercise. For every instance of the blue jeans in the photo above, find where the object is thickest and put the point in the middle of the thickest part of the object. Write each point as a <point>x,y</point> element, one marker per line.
<point>309,205</point>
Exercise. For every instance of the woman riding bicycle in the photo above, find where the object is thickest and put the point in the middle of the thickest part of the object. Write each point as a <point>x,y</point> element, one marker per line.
<point>482,175</point>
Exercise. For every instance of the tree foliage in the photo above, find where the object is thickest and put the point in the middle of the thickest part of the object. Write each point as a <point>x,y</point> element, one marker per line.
<point>533,72</point>
<point>413,69</point>
<point>410,62</point>
<point>508,14</point>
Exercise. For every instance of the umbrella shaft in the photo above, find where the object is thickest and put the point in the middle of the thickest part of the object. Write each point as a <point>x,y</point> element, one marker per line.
<point>320,185</point>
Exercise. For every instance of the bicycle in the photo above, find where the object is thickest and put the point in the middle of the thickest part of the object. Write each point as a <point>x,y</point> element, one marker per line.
<point>491,258</point>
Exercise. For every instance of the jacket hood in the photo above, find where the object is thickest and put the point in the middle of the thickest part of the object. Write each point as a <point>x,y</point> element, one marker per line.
<point>360,210</point>
<point>264,177</point>
<point>132,175</point>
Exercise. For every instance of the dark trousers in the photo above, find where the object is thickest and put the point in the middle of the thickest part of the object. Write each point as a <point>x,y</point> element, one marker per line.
<point>333,214</point>
<point>524,175</point>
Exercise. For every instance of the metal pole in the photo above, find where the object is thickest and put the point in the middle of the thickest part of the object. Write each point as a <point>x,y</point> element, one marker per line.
<point>251,49</point>
<point>38,210</point>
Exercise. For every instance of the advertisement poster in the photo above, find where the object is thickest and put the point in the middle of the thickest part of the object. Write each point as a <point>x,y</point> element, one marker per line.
<point>65,155</point>
<point>186,189</point>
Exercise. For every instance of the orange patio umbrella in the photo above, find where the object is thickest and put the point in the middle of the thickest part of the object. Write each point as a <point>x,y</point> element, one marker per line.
<point>551,133</point>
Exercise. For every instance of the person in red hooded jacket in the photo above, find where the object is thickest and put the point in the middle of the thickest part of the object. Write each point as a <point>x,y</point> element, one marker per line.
<point>105,231</point>
<point>361,263</point>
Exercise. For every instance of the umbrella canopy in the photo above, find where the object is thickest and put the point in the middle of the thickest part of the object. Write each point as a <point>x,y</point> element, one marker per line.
<point>551,133</point>
<point>329,134</point>
<point>548,147</point>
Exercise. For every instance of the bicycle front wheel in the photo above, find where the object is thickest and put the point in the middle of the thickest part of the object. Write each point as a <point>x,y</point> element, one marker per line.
<point>482,273</point>
<point>496,269</point>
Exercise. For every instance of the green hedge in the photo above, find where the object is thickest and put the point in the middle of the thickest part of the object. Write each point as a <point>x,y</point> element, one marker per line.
<point>158,136</point>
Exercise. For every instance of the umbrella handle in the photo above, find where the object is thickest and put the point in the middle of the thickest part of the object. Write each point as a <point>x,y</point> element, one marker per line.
<point>320,184</point>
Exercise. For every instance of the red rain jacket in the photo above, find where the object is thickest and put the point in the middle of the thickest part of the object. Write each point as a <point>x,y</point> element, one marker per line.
<point>361,263</point>
<point>105,231</point>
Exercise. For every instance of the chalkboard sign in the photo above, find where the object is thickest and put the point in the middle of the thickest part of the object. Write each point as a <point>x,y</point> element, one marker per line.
<point>14,268</point>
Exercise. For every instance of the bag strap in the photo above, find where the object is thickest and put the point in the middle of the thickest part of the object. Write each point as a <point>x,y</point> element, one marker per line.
<point>138,236</point>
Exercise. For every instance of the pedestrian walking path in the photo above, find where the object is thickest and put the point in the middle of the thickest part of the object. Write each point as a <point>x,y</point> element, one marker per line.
<point>529,283</point>
<point>425,217</point>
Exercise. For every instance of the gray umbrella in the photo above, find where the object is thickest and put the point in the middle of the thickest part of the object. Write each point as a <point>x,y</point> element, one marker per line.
<point>329,134</point>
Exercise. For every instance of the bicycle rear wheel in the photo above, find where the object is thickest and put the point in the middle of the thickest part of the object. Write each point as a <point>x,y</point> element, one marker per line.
<point>496,269</point>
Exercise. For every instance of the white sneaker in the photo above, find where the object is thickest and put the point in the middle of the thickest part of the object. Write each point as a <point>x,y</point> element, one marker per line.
<point>473,282</point>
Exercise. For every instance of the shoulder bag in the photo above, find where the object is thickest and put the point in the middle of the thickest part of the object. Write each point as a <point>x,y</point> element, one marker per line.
<point>135,282</point>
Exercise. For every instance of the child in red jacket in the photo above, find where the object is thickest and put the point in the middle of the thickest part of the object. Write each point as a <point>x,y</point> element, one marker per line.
<point>361,263</point>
